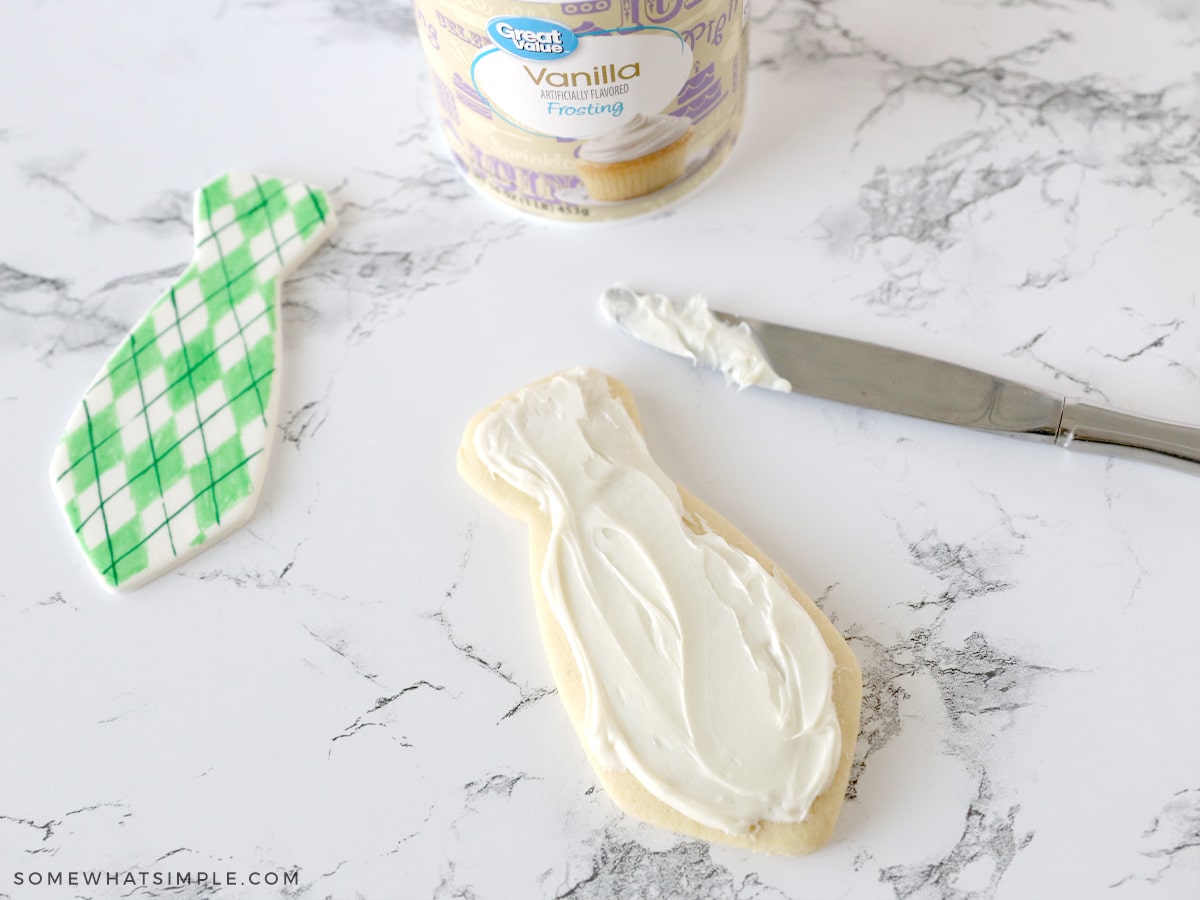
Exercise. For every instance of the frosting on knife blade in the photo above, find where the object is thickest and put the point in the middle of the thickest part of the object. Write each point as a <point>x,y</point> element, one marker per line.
<point>688,328</point>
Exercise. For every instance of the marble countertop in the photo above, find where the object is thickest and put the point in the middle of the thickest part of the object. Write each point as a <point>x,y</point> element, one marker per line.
<point>348,698</point>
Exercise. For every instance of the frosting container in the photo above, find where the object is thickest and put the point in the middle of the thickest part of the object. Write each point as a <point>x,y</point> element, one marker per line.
<point>591,110</point>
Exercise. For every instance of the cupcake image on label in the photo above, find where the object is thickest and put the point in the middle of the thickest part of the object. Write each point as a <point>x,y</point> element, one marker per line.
<point>642,156</point>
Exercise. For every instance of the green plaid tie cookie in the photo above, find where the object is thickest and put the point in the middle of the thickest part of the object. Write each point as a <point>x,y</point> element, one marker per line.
<point>167,451</point>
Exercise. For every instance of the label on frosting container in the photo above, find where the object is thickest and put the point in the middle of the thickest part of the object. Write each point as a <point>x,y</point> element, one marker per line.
<point>583,93</point>
<point>587,110</point>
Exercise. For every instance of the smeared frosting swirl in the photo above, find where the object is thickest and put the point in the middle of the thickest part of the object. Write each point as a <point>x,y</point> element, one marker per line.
<point>688,328</point>
<point>703,676</point>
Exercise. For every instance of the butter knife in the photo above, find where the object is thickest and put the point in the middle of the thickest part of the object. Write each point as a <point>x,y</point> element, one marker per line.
<point>884,378</point>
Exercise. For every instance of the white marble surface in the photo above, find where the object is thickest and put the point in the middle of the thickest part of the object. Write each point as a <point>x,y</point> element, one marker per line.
<point>352,690</point>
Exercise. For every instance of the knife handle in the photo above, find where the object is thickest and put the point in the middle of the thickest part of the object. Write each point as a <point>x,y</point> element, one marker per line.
<point>1115,433</point>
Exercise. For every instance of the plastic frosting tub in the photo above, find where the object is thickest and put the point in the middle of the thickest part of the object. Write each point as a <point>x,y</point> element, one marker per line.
<point>587,111</point>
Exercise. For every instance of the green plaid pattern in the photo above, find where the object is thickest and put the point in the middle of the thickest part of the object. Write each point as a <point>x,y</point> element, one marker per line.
<point>168,448</point>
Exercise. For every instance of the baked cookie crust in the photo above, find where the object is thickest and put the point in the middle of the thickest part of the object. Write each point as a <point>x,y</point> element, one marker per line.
<point>625,790</point>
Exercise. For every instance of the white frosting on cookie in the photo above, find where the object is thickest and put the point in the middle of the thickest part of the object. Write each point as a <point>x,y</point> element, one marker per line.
<point>638,137</point>
<point>687,328</point>
<point>703,675</point>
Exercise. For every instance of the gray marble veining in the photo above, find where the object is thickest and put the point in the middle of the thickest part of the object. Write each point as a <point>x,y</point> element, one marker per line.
<point>349,695</point>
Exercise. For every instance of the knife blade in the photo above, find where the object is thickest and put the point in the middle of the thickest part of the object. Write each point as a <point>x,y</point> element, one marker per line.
<point>884,378</point>
<point>887,379</point>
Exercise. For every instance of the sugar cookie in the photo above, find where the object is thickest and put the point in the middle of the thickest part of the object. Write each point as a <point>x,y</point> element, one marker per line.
<point>711,695</point>
<point>167,450</point>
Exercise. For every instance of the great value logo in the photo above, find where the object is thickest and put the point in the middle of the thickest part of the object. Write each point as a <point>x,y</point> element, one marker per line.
<point>527,37</point>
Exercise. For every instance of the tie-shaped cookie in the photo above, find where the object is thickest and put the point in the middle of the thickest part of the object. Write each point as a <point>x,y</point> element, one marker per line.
<point>168,448</point>
<point>712,696</point>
